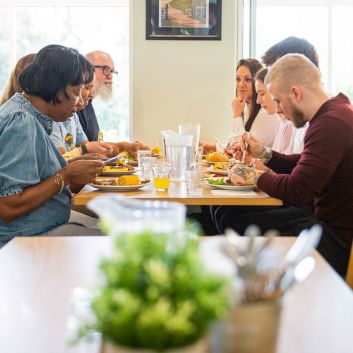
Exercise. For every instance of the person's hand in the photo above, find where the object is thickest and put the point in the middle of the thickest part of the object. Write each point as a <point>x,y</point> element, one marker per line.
<point>207,147</point>
<point>234,151</point>
<point>241,174</point>
<point>99,147</point>
<point>82,172</point>
<point>255,147</point>
<point>89,156</point>
<point>132,147</point>
<point>257,164</point>
<point>238,105</point>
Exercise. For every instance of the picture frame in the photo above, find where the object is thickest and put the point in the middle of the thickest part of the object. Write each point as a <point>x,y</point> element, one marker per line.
<point>183,19</point>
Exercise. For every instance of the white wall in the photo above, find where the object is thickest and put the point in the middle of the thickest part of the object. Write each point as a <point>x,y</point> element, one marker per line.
<point>179,81</point>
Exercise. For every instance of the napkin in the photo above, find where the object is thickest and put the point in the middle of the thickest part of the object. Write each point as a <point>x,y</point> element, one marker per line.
<point>238,193</point>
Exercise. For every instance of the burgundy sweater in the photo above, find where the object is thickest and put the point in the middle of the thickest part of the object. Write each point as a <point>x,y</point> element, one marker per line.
<point>324,170</point>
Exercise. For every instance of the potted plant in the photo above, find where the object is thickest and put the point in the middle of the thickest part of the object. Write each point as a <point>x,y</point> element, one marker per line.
<point>156,295</point>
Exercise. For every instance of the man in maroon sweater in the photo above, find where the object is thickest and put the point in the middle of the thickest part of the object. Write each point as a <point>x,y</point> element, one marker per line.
<point>323,173</point>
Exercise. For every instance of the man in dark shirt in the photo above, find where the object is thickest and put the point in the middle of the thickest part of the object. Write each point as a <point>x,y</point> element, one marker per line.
<point>323,173</point>
<point>103,87</point>
<point>104,71</point>
<point>89,122</point>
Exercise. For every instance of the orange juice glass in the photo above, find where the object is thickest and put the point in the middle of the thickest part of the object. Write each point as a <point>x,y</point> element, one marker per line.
<point>161,176</point>
<point>161,184</point>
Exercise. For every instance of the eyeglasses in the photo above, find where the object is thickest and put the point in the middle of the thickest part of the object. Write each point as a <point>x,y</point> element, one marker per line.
<point>106,70</point>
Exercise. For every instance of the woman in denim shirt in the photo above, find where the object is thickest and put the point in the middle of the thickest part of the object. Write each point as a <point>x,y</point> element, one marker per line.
<point>35,180</point>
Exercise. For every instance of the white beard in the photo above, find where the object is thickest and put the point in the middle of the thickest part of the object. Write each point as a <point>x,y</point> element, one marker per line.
<point>104,90</point>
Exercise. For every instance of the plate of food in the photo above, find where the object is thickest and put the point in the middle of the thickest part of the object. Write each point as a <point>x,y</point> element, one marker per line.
<point>111,170</point>
<point>221,168</point>
<point>214,157</point>
<point>225,184</point>
<point>123,183</point>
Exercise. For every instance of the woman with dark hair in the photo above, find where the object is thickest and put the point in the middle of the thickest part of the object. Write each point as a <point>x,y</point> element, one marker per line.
<point>247,113</point>
<point>35,180</point>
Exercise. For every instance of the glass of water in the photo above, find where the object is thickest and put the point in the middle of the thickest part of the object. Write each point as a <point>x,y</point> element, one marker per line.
<point>147,163</point>
<point>194,182</point>
<point>143,153</point>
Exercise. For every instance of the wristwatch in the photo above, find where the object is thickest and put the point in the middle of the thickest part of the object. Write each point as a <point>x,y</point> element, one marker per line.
<point>84,149</point>
<point>266,154</point>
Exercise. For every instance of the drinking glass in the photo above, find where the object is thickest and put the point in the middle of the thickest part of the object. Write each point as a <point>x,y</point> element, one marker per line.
<point>198,157</point>
<point>142,153</point>
<point>147,163</point>
<point>161,174</point>
<point>122,215</point>
<point>194,130</point>
<point>194,181</point>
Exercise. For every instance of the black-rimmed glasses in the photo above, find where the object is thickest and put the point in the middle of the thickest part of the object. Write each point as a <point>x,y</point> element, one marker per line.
<point>107,70</point>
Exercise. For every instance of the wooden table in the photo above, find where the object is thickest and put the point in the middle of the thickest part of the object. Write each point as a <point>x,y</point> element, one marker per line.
<point>177,192</point>
<point>38,274</point>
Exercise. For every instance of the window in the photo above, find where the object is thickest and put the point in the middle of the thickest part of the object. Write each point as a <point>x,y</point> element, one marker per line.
<point>26,29</point>
<point>326,24</point>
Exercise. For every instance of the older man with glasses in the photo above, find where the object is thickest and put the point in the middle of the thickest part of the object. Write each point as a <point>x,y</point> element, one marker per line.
<point>104,73</point>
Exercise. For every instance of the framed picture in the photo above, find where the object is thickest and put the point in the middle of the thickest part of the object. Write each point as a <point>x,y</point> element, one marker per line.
<point>184,19</point>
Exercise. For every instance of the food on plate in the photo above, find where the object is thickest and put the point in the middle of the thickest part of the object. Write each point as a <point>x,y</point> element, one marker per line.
<point>219,181</point>
<point>225,181</point>
<point>110,181</point>
<point>234,161</point>
<point>220,166</point>
<point>118,168</point>
<point>124,180</point>
<point>156,151</point>
<point>128,180</point>
<point>216,157</point>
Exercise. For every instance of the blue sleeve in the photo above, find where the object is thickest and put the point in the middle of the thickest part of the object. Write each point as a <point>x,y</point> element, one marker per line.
<point>22,164</point>
<point>80,134</point>
<point>56,136</point>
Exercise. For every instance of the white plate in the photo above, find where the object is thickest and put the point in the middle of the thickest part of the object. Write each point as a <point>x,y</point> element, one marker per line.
<point>220,172</point>
<point>118,172</point>
<point>118,188</point>
<point>230,187</point>
<point>234,187</point>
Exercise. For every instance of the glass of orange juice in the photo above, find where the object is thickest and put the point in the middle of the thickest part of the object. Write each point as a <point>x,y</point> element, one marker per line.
<point>161,176</point>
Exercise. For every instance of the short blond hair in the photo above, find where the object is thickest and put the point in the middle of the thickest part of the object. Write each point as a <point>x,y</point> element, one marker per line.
<point>294,70</point>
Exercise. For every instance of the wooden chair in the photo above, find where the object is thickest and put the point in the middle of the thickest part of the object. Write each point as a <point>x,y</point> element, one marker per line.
<point>349,277</point>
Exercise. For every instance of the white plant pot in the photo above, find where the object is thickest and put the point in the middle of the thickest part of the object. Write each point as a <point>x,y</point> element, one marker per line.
<point>198,347</point>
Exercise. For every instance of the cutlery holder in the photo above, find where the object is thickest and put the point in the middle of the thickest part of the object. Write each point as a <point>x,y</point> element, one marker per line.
<point>252,327</point>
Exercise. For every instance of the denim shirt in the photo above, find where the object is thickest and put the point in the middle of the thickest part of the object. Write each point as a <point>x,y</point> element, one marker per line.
<point>61,130</point>
<point>28,157</point>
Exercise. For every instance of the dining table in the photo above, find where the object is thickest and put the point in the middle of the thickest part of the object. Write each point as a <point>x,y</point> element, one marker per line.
<point>40,276</point>
<point>177,192</point>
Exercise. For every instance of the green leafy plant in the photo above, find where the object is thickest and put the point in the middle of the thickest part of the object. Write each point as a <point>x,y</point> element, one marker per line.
<point>156,293</point>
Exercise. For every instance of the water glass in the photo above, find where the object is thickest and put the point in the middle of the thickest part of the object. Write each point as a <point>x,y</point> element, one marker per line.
<point>161,176</point>
<point>147,163</point>
<point>198,157</point>
<point>142,153</point>
<point>194,130</point>
<point>194,182</point>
